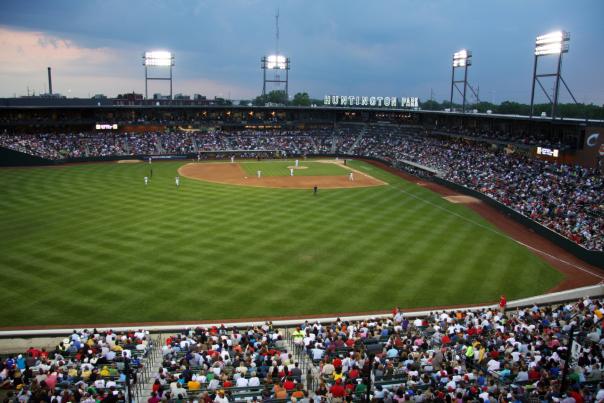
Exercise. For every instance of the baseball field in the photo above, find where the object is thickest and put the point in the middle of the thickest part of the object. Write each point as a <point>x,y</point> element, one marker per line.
<point>91,243</point>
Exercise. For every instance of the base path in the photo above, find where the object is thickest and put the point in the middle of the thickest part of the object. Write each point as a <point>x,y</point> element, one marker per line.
<point>234,174</point>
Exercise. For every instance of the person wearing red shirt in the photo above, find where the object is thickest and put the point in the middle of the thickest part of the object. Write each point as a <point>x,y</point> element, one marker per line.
<point>576,394</point>
<point>354,373</point>
<point>337,362</point>
<point>502,302</point>
<point>289,385</point>
<point>534,374</point>
<point>337,390</point>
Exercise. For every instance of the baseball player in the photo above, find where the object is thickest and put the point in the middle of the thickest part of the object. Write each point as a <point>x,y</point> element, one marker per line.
<point>297,163</point>
<point>350,177</point>
<point>314,189</point>
<point>149,160</point>
<point>177,180</point>
<point>232,159</point>
<point>291,172</point>
<point>146,181</point>
<point>259,174</point>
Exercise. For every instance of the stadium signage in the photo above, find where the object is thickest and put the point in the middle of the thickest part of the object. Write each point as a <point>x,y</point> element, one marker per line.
<point>548,152</point>
<point>105,126</point>
<point>387,102</point>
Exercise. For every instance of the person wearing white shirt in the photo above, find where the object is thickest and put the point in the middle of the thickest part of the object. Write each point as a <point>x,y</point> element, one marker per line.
<point>242,382</point>
<point>493,365</point>
<point>254,381</point>
<point>600,394</point>
<point>214,384</point>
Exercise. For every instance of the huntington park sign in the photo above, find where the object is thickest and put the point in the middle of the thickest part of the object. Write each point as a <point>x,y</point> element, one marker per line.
<point>387,102</point>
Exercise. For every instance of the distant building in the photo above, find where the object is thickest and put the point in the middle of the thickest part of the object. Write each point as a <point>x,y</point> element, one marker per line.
<point>133,96</point>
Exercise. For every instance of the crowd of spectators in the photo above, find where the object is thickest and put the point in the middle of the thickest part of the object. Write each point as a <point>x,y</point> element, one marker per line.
<point>219,364</point>
<point>522,138</point>
<point>88,366</point>
<point>480,355</point>
<point>483,355</point>
<point>566,199</point>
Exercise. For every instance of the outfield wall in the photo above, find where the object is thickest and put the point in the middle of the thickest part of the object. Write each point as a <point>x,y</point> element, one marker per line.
<point>594,291</point>
<point>12,158</point>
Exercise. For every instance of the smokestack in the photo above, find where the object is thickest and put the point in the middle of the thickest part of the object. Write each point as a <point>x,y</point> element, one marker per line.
<point>49,82</point>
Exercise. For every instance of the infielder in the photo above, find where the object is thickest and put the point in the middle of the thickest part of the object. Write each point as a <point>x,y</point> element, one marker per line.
<point>232,159</point>
<point>350,177</point>
<point>291,172</point>
<point>259,174</point>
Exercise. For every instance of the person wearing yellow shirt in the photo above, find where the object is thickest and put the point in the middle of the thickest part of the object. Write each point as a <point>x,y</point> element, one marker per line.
<point>193,385</point>
<point>86,373</point>
<point>298,336</point>
<point>104,372</point>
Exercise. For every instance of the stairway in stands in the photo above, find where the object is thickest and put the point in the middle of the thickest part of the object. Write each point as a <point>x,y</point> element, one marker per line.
<point>310,373</point>
<point>141,390</point>
<point>357,141</point>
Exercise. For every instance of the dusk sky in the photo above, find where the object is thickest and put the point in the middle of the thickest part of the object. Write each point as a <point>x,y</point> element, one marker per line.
<point>344,47</point>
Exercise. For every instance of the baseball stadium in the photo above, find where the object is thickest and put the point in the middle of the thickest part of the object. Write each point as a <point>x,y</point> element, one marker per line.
<point>353,248</point>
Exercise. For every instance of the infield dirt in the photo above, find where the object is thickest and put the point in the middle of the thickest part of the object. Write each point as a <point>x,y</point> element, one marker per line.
<point>234,174</point>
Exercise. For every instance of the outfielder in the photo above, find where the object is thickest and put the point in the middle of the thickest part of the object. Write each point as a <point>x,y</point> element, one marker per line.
<point>297,163</point>
<point>259,174</point>
<point>177,180</point>
<point>146,181</point>
<point>291,172</point>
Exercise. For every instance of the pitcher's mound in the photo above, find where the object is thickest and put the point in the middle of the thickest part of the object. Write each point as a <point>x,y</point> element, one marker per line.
<point>234,174</point>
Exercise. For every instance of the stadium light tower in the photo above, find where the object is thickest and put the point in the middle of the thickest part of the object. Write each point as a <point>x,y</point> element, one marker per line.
<point>158,59</point>
<point>552,44</point>
<point>462,60</point>
<point>275,63</point>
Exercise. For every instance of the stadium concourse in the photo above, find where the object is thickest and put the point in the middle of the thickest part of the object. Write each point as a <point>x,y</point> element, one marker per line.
<point>566,199</point>
<point>501,353</point>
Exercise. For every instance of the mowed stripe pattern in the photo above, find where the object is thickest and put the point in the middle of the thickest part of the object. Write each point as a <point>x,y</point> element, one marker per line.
<point>91,244</point>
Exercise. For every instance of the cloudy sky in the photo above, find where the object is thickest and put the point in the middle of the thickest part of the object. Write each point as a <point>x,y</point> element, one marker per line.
<point>344,47</point>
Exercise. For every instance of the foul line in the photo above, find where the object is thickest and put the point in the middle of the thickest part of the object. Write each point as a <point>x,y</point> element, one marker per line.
<point>583,269</point>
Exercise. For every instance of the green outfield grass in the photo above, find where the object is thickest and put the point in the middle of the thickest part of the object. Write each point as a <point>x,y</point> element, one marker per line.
<point>91,244</point>
<point>280,168</point>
